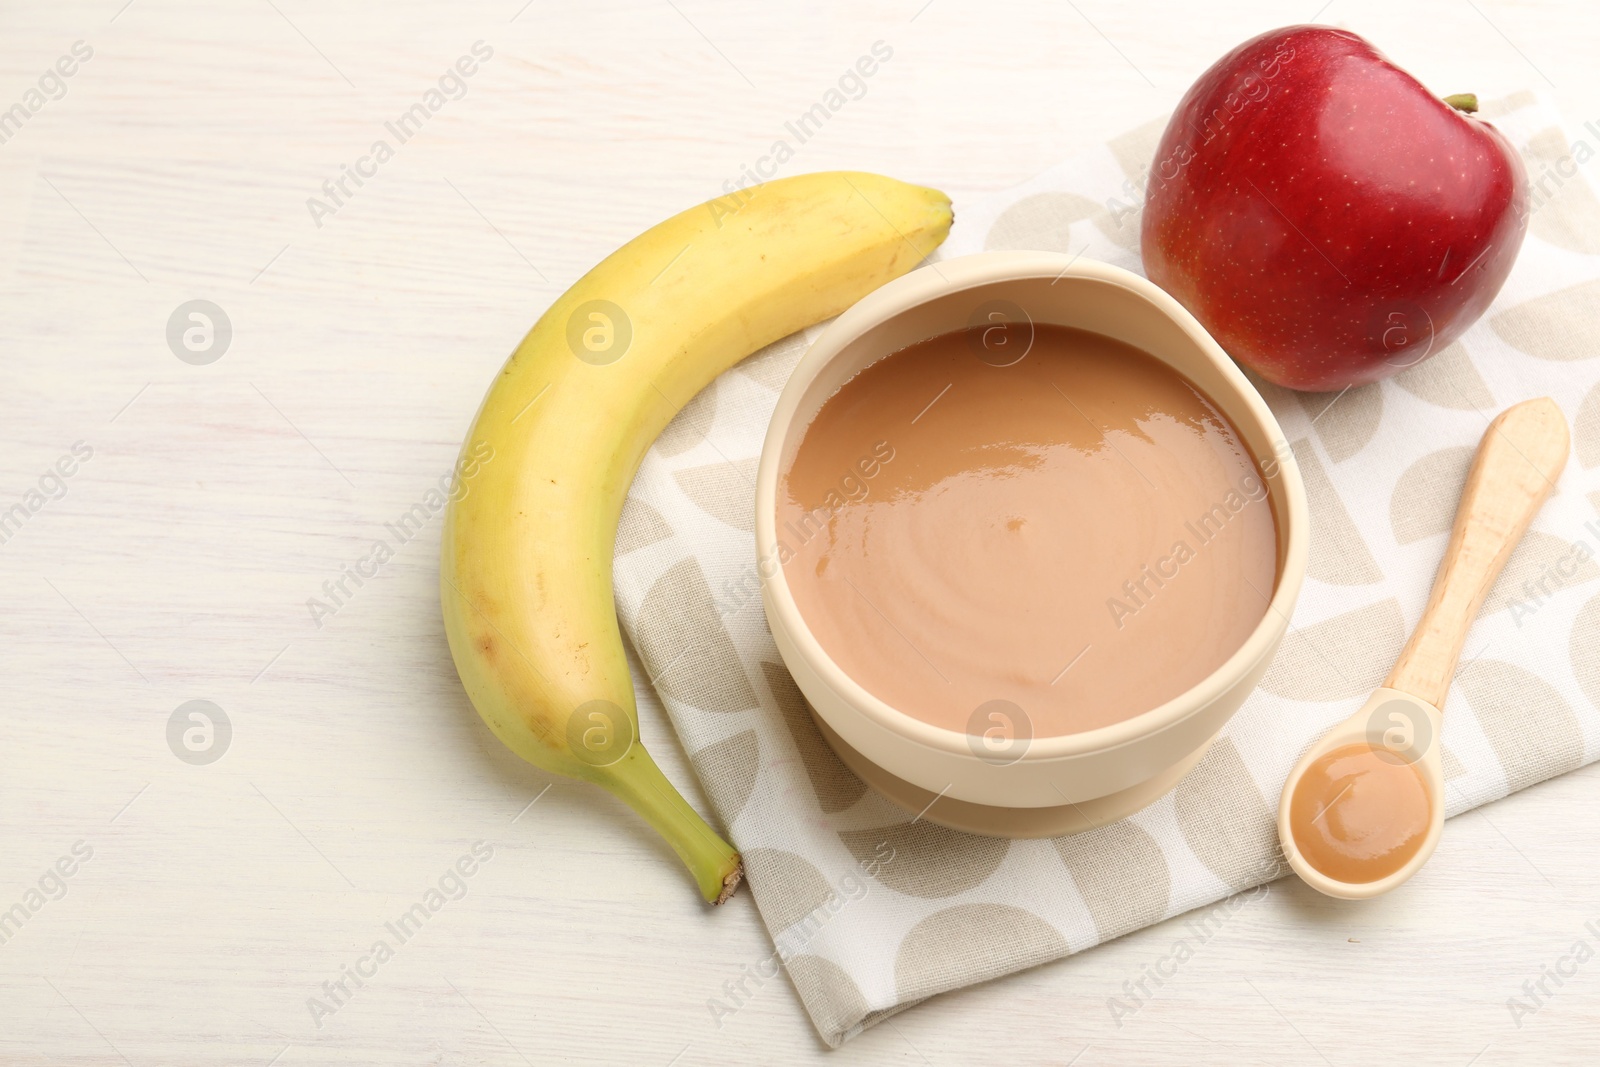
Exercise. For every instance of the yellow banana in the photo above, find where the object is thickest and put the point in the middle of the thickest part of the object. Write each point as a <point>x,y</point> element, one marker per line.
<point>525,574</point>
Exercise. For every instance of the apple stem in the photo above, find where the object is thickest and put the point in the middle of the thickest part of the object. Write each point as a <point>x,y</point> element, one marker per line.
<point>1467,102</point>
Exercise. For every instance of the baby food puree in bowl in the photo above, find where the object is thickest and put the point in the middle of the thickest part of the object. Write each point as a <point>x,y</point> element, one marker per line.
<point>1027,537</point>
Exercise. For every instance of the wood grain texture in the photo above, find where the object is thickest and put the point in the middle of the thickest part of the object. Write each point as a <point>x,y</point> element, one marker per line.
<point>178,563</point>
<point>1517,465</point>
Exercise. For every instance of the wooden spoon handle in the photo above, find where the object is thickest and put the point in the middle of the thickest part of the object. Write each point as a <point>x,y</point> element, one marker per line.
<point>1517,465</point>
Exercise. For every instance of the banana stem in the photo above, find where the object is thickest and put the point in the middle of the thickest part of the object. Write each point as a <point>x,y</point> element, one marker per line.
<point>639,783</point>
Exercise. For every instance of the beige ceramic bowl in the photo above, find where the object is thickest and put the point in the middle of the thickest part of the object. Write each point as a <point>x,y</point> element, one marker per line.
<point>1063,783</point>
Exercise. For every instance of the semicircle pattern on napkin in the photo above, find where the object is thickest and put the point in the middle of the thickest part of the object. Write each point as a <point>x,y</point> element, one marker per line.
<point>1586,430</point>
<point>728,770</point>
<point>639,526</point>
<point>836,786</point>
<point>972,942</point>
<point>1541,566</point>
<point>828,991</point>
<point>1583,647</point>
<point>1338,554</point>
<point>690,425</point>
<point>725,490</point>
<point>1121,874</point>
<point>788,887</point>
<point>1566,218</point>
<point>1228,826</point>
<point>1345,656</point>
<point>1135,153</point>
<point>1044,222</point>
<point>1530,725</point>
<point>922,859</point>
<point>1344,421</point>
<point>1449,379</point>
<point>1559,326</point>
<point>685,647</point>
<point>1427,492</point>
<point>1135,150</point>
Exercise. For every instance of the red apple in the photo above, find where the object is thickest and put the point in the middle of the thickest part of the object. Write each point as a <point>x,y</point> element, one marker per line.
<point>1328,219</point>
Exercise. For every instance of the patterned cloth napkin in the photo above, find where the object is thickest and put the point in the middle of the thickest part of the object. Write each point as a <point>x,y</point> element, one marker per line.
<point>870,911</point>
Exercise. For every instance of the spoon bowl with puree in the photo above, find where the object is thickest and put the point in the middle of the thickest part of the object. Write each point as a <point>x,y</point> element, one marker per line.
<point>1363,809</point>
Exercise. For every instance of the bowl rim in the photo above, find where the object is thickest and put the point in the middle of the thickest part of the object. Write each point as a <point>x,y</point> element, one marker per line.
<point>942,279</point>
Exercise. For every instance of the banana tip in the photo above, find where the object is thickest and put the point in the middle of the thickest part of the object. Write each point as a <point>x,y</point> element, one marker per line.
<point>730,883</point>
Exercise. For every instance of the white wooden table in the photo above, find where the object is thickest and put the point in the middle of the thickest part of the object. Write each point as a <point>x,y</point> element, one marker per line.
<point>219,497</point>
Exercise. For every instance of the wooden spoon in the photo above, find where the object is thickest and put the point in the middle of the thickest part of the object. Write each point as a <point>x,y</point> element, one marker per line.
<point>1518,461</point>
